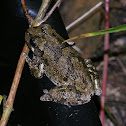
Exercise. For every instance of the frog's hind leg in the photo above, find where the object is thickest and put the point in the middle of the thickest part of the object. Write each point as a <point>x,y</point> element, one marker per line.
<point>94,76</point>
<point>35,64</point>
<point>66,94</point>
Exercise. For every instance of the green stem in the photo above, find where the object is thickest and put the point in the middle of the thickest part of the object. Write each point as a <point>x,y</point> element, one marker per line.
<point>110,30</point>
<point>110,116</point>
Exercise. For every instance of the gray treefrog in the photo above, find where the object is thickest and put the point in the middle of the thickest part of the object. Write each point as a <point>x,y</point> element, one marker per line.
<point>76,79</point>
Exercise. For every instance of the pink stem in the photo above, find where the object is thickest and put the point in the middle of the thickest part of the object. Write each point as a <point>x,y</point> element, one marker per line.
<point>105,68</point>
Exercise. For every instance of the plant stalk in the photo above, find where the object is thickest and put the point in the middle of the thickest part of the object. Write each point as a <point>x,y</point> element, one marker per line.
<point>105,67</point>
<point>8,106</point>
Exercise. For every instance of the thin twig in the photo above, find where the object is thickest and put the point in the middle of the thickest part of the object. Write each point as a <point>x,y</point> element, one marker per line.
<point>8,105</point>
<point>105,68</point>
<point>28,16</point>
<point>49,13</point>
<point>121,64</point>
<point>77,21</point>
<point>77,49</point>
<point>41,13</point>
<point>102,62</point>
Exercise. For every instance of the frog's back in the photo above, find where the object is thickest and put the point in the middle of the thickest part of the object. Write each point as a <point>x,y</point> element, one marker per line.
<point>67,68</point>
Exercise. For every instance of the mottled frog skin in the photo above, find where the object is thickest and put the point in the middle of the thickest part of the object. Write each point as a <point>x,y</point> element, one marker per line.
<point>76,79</point>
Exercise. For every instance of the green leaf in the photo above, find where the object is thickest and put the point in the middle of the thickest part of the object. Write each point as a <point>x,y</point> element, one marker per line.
<point>1,97</point>
<point>110,30</point>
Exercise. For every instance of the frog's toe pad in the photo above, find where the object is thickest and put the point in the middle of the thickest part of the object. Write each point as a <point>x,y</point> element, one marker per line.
<point>98,92</point>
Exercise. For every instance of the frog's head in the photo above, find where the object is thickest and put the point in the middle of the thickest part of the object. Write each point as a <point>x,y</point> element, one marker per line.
<point>35,38</point>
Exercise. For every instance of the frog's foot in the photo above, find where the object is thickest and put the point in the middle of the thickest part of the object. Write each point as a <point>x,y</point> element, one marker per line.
<point>46,96</point>
<point>67,95</point>
<point>35,64</point>
<point>94,76</point>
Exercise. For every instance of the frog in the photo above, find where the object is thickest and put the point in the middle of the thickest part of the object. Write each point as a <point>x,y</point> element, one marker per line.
<point>76,80</point>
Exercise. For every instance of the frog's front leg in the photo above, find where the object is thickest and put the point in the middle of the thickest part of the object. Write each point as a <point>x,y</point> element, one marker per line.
<point>94,76</point>
<point>35,64</point>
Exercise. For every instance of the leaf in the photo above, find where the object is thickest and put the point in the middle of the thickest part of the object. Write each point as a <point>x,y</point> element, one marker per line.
<point>110,30</point>
<point>1,97</point>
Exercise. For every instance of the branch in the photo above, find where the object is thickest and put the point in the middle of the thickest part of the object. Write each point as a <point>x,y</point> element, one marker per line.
<point>28,16</point>
<point>39,18</point>
<point>41,13</point>
<point>8,105</point>
<point>106,57</point>
<point>51,11</point>
<point>77,21</point>
<point>122,66</point>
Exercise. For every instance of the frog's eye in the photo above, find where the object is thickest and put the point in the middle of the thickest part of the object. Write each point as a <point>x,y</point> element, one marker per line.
<point>32,42</point>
